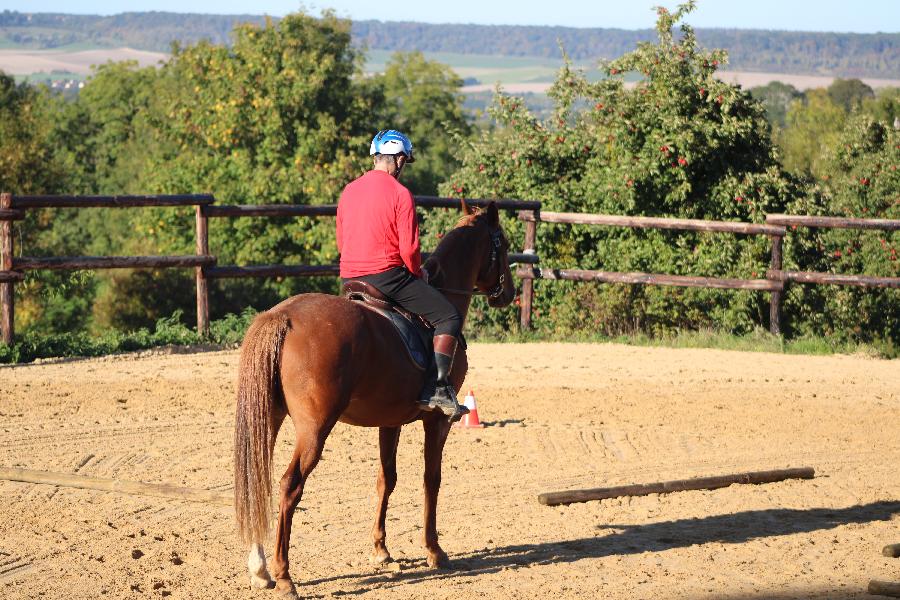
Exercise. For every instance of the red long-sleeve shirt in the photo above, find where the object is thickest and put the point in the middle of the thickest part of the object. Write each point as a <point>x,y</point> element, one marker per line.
<point>377,227</point>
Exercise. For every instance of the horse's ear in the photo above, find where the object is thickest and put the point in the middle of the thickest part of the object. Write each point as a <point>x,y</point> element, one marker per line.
<point>465,208</point>
<point>493,214</point>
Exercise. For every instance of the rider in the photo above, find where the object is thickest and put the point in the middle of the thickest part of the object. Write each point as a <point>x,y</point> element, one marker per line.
<point>378,238</point>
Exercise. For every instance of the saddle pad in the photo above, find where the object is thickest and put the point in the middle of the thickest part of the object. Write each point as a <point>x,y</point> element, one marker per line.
<point>419,352</point>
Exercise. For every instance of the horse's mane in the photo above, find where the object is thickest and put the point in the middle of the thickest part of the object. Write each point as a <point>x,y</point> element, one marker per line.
<point>465,221</point>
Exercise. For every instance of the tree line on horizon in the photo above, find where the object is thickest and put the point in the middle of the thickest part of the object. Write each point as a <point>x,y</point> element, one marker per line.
<point>285,114</point>
<point>791,52</point>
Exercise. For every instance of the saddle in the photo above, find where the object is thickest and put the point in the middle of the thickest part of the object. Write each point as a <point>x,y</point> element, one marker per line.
<point>416,333</point>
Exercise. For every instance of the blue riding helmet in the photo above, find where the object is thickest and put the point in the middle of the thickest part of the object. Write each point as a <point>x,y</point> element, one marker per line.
<point>391,141</point>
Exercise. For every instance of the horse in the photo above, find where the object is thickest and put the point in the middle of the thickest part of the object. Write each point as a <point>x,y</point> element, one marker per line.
<point>321,359</point>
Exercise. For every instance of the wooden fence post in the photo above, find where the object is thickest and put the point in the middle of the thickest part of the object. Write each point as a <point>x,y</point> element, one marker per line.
<point>202,281</point>
<point>528,284</point>
<point>775,295</point>
<point>7,299</point>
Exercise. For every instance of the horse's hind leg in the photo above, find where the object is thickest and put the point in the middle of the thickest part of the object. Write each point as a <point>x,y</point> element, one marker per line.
<point>256,558</point>
<point>436,430</point>
<point>388,437</point>
<point>256,563</point>
<point>307,451</point>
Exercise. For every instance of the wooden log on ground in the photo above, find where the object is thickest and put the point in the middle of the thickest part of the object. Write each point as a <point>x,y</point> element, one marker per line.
<point>834,222</point>
<point>678,485</point>
<point>891,551</point>
<point>884,588</point>
<point>111,201</point>
<point>651,279</point>
<point>161,490</point>
<point>72,263</point>
<point>834,278</point>
<point>655,223</point>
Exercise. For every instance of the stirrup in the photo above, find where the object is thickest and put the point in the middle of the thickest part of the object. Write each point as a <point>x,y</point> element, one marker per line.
<point>443,400</point>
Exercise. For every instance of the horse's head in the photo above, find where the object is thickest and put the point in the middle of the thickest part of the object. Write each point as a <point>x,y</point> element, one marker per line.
<point>491,249</point>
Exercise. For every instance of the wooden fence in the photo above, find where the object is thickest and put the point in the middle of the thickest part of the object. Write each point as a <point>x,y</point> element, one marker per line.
<point>205,265</point>
<point>774,283</point>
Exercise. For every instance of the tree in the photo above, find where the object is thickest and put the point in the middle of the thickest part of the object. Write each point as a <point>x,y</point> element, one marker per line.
<point>278,117</point>
<point>813,126</point>
<point>423,100</point>
<point>27,165</point>
<point>776,97</point>
<point>679,143</point>
<point>885,106</point>
<point>849,94</point>
<point>864,182</point>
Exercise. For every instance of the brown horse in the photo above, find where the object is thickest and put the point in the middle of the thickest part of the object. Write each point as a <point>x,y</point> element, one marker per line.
<point>322,359</point>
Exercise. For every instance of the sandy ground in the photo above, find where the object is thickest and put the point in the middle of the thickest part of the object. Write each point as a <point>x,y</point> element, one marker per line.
<point>559,416</point>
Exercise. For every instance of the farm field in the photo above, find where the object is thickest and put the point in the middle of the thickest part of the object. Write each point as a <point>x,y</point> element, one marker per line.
<point>559,416</point>
<point>517,75</point>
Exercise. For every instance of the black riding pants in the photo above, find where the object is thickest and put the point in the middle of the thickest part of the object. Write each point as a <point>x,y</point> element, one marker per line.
<point>418,297</point>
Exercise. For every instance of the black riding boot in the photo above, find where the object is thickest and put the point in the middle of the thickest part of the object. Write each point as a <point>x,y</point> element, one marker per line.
<point>443,397</point>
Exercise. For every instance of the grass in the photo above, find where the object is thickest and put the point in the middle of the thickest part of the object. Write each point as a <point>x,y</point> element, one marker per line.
<point>230,330</point>
<point>168,332</point>
<point>758,341</point>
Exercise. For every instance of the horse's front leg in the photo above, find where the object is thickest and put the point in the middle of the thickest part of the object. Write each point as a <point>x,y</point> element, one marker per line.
<point>436,430</point>
<point>388,438</point>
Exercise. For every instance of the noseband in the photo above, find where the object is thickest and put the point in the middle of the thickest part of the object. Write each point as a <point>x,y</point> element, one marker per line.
<point>496,289</point>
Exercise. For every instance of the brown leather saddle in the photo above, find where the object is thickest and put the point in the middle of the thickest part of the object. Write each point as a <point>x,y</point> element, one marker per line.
<point>415,332</point>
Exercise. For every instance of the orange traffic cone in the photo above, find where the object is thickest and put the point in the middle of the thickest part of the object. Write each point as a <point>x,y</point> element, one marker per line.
<point>470,421</point>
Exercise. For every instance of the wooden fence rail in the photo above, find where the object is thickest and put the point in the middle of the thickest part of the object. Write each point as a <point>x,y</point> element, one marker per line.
<point>833,223</point>
<point>324,210</point>
<point>205,265</point>
<point>774,287</point>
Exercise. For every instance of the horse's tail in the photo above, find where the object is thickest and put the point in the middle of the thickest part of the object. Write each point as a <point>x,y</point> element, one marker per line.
<point>254,429</point>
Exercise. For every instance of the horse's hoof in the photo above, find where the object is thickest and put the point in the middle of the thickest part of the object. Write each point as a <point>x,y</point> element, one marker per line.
<point>380,557</point>
<point>261,583</point>
<point>286,590</point>
<point>438,560</point>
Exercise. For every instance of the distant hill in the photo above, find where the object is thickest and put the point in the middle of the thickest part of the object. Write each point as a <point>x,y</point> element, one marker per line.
<point>833,54</point>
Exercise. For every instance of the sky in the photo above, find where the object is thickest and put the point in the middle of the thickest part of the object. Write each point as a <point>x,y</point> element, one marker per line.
<point>859,16</point>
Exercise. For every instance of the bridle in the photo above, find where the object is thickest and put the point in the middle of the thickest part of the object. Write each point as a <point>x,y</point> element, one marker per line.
<point>496,289</point>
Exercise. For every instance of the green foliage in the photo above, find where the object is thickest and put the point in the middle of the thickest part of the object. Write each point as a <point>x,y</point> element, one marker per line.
<point>168,331</point>
<point>679,143</point>
<point>864,182</point>
<point>813,124</point>
<point>27,165</point>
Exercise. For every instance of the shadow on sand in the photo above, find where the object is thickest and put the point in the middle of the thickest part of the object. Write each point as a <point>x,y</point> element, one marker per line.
<point>623,539</point>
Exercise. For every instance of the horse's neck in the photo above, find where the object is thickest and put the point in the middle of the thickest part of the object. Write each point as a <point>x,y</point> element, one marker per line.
<point>459,275</point>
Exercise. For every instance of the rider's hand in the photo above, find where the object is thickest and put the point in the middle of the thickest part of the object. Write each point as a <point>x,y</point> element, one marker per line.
<point>424,274</point>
